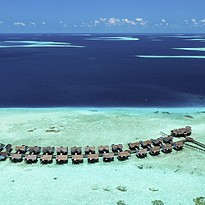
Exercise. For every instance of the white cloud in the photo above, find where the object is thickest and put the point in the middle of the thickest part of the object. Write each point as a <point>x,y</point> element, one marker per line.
<point>143,23</point>
<point>19,24</point>
<point>203,21</point>
<point>33,23</point>
<point>113,21</point>
<point>103,20</point>
<point>127,21</point>
<point>43,23</point>
<point>97,22</point>
<point>138,19</point>
<point>139,22</point>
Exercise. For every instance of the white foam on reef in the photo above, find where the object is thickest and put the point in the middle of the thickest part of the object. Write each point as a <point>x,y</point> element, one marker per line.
<point>185,36</point>
<point>152,56</point>
<point>174,178</point>
<point>115,38</point>
<point>80,34</point>
<point>196,39</point>
<point>38,44</point>
<point>190,49</point>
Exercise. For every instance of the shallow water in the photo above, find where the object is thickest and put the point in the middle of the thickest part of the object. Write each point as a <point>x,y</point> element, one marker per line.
<point>174,178</point>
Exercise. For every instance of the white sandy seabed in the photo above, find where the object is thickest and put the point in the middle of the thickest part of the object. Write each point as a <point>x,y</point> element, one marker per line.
<point>175,178</point>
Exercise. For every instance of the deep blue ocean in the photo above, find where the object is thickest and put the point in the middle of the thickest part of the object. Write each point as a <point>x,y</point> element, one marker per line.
<point>63,70</point>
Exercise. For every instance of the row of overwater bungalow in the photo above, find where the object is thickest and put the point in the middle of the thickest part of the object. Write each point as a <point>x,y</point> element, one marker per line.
<point>31,154</point>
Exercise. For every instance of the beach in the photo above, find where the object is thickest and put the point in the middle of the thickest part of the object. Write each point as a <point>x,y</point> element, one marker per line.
<point>175,178</point>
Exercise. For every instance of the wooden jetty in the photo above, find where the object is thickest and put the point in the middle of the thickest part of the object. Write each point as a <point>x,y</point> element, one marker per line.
<point>31,154</point>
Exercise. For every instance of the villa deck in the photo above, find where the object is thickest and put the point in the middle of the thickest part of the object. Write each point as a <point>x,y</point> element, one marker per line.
<point>61,159</point>
<point>31,158</point>
<point>46,159</point>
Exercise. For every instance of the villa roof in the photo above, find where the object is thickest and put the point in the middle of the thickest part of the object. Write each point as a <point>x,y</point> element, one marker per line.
<point>145,143</point>
<point>49,150</point>
<point>123,154</point>
<point>157,141</point>
<point>16,156</point>
<point>31,157</point>
<point>181,131</point>
<point>133,145</point>
<point>76,150</point>
<point>34,149</point>
<point>21,149</point>
<point>102,149</point>
<point>63,150</point>
<point>46,157</point>
<point>62,157</point>
<point>8,147</point>
<point>116,147</point>
<point>90,149</point>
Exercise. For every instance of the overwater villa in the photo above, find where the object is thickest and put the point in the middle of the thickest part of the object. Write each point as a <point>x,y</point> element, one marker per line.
<point>61,154</point>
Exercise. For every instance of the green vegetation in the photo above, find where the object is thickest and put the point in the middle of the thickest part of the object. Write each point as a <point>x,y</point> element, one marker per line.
<point>121,188</point>
<point>121,203</point>
<point>199,201</point>
<point>157,202</point>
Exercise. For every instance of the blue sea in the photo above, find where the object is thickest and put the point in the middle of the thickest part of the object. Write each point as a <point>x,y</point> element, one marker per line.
<point>102,70</point>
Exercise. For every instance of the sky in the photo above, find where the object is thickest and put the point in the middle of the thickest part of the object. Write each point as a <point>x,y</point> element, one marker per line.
<point>82,16</point>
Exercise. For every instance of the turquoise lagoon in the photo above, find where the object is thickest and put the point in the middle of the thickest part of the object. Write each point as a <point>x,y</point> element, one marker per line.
<point>175,178</point>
